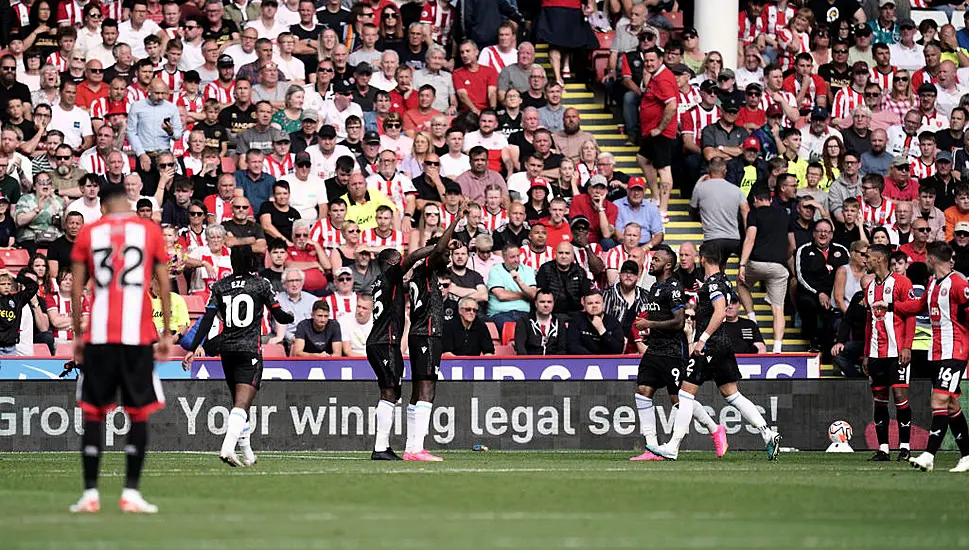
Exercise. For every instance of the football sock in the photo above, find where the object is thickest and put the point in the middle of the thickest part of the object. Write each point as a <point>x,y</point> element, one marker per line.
<point>245,445</point>
<point>422,415</point>
<point>237,423</point>
<point>91,452</point>
<point>135,451</point>
<point>385,422</point>
<point>684,414</point>
<point>701,415</point>
<point>778,346</point>
<point>750,413</point>
<point>411,445</point>
<point>940,423</point>
<point>903,413</point>
<point>647,419</point>
<point>960,431</point>
<point>880,417</point>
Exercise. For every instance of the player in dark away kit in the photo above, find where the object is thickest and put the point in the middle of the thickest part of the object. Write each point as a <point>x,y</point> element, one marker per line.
<point>383,344</point>
<point>239,300</point>
<point>664,363</point>
<point>711,356</point>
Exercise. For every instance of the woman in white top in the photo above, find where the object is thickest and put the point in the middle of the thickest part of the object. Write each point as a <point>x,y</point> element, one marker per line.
<point>210,262</point>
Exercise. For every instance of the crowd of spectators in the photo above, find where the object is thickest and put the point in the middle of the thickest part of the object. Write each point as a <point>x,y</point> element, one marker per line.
<point>319,133</point>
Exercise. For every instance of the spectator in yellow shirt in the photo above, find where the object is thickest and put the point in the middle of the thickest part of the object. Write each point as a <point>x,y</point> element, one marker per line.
<point>362,203</point>
<point>180,322</point>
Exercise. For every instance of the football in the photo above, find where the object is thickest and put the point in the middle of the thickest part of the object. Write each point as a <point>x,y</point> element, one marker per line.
<point>839,432</point>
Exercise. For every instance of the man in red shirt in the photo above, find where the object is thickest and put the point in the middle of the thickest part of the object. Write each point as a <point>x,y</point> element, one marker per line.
<point>419,118</point>
<point>752,114</point>
<point>120,253</point>
<point>916,248</point>
<point>404,96</point>
<point>808,88</point>
<point>600,212</point>
<point>557,227</point>
<point>93,88</point>
<point>475,85</point>
<point>899,185</point>
<point>657,118</point>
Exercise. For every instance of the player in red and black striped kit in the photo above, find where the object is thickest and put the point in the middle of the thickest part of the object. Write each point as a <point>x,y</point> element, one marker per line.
<point>889,332</point>
<point>383,344</point>
<point>946,298</point>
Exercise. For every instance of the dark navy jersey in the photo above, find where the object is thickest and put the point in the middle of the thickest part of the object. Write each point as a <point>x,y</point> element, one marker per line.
<point>240,301</point>
<point>662,300</point>
<point>715,287</point>
<point>388,307</point>
<point>426,302</point>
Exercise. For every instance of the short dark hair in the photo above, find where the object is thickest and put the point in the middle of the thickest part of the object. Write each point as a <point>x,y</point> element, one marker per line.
<point>321,305</point>
<point>281,184</point>
<point>477,150</point>
<point>710,253</point>
<point>878,181</point>
<point>881,249</point>
<point>337,202</point>
<point>940,250</point>
<point>277,244</point>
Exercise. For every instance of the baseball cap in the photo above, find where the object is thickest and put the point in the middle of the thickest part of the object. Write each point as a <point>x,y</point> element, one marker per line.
<point>944,156</point>
<point>280,136</point>
<point>899,161</point>
<point>310,114</point>
<point>343,271</point>
<point>754,87</point>
<point>751,143</point>
<point>327,131</point>
<point>961,226</point>
<point>906,23</point>
<point>681,69</point>
<point>225,61</point>
<point>371,137</point>
<point>636,182</point>
<point>927,88</point>
<point>597,180</point>
<point>862,30</point>
<point>302,157</point>
<point>775,109</point>
<point>539,182</point>
<point>3,198</point>
<point>819,113</point>
<point>730,102</point>
<point>883,3</point>
<point>341,87</point>
<point>629,266</point>
<point>363,68</point>
<point>452,187</point>
<point>192,76</point>
<point>859,67</point>
<point>709,85</point>
<point>726,74</point>
<point>579,220</point>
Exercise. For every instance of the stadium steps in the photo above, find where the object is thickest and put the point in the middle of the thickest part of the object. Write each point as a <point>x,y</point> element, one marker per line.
<point>681,227</point>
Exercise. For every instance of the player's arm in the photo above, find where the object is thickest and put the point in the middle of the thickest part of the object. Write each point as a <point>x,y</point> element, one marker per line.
<point>676,323</point>
<point>79,274</point>
<point>205,325</point>
<point>280,315</point>
<point>436,251</point>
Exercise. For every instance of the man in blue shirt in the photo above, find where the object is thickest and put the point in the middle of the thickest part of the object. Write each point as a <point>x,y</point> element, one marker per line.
<point>153,124</point>
<point>632,208</point>
<point>256,185</point>
<point>511,288</point>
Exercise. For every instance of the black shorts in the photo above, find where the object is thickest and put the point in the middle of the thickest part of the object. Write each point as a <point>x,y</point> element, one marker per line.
<point>658,150</point>
<point>109,368</point>
<point>719,366</point>
<point>885,373</point>
<point>387,363</point>
<point>661,372</point>
<point>242,368</point>
<point>425,357</point>
<point>947,375</point>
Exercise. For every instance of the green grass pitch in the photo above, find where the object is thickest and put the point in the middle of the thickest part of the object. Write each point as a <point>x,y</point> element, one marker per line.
<point>525,500</point>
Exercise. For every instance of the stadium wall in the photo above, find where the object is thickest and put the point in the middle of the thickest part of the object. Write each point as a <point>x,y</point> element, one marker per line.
<point>510,415</point>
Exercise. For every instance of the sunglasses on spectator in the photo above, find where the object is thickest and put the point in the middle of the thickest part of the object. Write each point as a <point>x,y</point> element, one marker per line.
<point>62,157</point>
<point>8,69</point>
<point>304,164</point>
<point>325,70</point>
<point>961,234</point>
<point>344,279</point>
<point>923,229</point>
<point>469,309</point>
<point>840,51</point>
<point>301,234</point>
<point>872,94</point>
<point>166,164</point>
<point>195,214</point>
<point>392,125</point>
<point>95,70</point>
<point>351,231</point>
<point>390,14</point>
<point>431,163</point>
<point>239,207</point>
<point>432,213</point>
<point>901,78</point>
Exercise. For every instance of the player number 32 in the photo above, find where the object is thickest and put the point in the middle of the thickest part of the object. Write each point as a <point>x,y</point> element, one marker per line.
<point>131,274</point>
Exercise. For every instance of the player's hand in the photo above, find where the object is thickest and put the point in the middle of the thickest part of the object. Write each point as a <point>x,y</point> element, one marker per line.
<point>904,357</point>
<point>187,361</point>
<point>697,348</point>
<point>164,347</point>
<point>836,349</point>
<point>79,351</point>
<point>864,366</point>
<point>641,324</point>
<point>454,244</point>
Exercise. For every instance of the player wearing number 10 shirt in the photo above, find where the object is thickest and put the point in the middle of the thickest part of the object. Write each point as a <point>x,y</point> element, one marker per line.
<point>946,298</point>
<point>120,252</point>
<point>383,344</point>
<point>239,301</point>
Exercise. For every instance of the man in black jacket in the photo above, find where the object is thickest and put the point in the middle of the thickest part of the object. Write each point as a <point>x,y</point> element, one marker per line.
<point>466,334</point>
<point>540,333</point>
<point>11,307</point>
<point>815,264</point>
<point>748,170</point>
<point>565,279</point>
<point>592,331</point>
<point>478,20</point>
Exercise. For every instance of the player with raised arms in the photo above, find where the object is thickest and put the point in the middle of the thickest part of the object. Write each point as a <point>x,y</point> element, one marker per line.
<point>383,344</point>
<point>712,356</point>
<point>947,298</point>
<point>239,301</point>
<point>120,252</point>
<point>664,362</point>
<point>888,349</point>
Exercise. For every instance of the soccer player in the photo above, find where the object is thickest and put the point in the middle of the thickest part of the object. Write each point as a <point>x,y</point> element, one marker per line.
<point>239,301</point>
<point>120,252</point>
<point>947,298</point>
<point>426,321</point>
<point>664,362</point>
<point>383,343</point>
<point>711,356</point>
<point>888,349</point>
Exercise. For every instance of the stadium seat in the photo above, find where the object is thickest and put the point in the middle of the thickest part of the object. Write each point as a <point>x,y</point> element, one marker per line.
<point>273,351</point>
<point>41,350</point>
<point>195,304</point>
<point>507,333</point>
<point>493,330</point>
<point>65,350</point>
<point>675,18</point>
<point>605,39</point>
<point>228,164</point>
<point>14,259</point>
<point>504,350</point>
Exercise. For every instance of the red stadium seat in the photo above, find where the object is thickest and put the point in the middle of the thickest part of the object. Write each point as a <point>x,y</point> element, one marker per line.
<point>65,350</point>
<point>14,259</point>
<point>493,330</point>
<point>605,39</point>
<point>273,351</point>
<point>505,350</point>
<point>675,18</point>
<point>41,350</point>
<point>507,333</point>
<point>195,304</point>
<point>228,165</point>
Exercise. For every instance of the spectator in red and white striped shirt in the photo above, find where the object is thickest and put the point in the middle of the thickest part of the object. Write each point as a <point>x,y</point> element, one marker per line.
<point>924,166</point>
<point>344,301</point>
<point>876,210</point>
<point>850,97</point>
